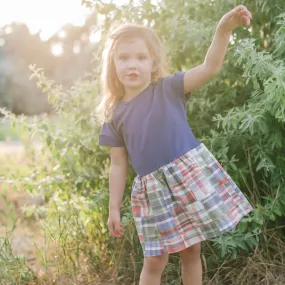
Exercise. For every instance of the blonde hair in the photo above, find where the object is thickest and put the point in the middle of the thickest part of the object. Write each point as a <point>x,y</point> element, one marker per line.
<point>112,88</point>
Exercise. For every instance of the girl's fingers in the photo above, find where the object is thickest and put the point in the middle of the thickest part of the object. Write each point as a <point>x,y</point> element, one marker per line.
<point>240,11</point>
<point>246,21</point>
<point>246,13</point>
<point>240,8</point>
<point>113,230</point>
<point>116,229</point>
<point>249,14</point>
<point>245,17</point>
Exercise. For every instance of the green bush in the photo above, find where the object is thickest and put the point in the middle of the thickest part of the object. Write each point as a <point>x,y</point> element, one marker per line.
<point>245,135</point>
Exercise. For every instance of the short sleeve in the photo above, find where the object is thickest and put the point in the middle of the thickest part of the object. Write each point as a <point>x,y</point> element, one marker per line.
<point>110,137</point>
<point>175,84</point>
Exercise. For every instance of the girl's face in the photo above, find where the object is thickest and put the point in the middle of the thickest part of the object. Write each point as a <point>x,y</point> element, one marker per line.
<point>133,64</point>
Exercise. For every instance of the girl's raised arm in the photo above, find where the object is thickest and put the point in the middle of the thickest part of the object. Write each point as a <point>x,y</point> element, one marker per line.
<point>196,77</point>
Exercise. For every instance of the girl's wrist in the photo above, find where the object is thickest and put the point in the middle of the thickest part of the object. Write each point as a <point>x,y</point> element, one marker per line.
<point>223,31</point>
<point>114,208</point>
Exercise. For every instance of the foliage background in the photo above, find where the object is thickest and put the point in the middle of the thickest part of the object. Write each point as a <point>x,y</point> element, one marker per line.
<point>239,115</point>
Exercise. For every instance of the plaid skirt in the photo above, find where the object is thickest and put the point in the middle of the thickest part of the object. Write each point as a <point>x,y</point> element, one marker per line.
<point>185,202</point>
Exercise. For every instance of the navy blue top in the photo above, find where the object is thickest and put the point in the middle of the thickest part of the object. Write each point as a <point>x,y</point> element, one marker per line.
<point>152,126</point>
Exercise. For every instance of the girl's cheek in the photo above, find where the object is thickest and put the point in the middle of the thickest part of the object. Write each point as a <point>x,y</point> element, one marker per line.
<point>122,67</point>
<point>120,70</point>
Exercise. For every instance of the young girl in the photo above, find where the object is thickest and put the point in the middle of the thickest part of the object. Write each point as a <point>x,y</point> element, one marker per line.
<point>181,195</point>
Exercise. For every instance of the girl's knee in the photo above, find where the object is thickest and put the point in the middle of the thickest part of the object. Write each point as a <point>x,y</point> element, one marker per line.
<point>155,264</point>
<point>190,254</point>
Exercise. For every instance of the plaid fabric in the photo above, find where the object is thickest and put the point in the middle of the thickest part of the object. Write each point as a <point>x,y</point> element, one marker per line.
<point>185,202</point>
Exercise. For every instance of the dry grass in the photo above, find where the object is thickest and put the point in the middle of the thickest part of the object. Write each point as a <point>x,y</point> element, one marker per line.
<point>265,266</point>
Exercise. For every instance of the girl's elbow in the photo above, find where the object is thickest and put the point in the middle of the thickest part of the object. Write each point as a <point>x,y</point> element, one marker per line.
<point>212,69</point>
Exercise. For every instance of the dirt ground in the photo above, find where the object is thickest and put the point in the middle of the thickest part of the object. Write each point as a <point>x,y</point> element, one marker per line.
<point>26,237</point>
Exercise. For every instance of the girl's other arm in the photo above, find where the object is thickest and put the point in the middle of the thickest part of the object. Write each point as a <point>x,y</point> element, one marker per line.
<point>117,184</point>
<point>196,77</point>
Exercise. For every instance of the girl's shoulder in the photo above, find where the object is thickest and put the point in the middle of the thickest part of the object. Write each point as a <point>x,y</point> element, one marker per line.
<point>173,85</point>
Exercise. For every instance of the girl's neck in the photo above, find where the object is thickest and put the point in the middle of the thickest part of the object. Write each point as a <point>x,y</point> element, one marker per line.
<point>130,93</point>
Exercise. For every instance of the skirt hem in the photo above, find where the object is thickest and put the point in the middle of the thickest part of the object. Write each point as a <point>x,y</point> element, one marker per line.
<point>214,235</point>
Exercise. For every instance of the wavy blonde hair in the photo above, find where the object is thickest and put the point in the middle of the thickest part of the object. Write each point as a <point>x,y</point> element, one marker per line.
<point>112,88</point>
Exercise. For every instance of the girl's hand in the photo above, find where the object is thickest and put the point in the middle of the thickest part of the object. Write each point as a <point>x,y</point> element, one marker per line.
<point>235,18</point>
<point>114,223</point>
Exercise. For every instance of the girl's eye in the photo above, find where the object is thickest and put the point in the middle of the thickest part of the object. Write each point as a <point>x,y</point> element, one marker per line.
<point>122,57</point>
<point>142,57</point>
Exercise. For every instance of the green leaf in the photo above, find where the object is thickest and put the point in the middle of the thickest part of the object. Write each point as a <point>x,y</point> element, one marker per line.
<point>242,227</point>
<point>272,217</point>
<point>242,245</point>
<point>233,166</point>
<point>260,165</point>
<point>277,211</point>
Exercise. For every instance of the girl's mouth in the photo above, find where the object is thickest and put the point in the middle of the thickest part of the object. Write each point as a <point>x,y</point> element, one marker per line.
<point>132,75</point>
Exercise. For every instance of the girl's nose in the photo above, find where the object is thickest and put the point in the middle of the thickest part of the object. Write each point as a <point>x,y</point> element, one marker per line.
<point>132,64</point>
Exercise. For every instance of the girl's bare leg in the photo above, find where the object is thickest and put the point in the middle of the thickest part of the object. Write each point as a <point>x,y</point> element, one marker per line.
<point>191,265</point>
<point>152,269</point>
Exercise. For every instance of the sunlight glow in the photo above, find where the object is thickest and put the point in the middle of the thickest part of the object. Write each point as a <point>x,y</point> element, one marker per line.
<point>76,49</point>
<point>48,17</point>
<point>45,15</point>
<point>8,30</point>
<point>62,34</point>
<point>45,35</point>
<point>57,49</point>
<point>34,29</point>
<point>95,37</point>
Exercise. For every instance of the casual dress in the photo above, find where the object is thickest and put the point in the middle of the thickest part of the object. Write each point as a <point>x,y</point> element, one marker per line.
<point>181,195</point>
<point>185,202</point>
